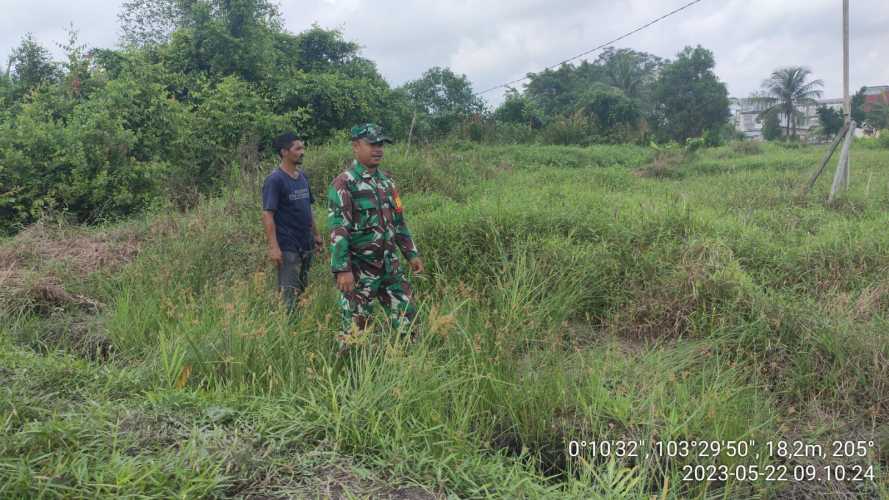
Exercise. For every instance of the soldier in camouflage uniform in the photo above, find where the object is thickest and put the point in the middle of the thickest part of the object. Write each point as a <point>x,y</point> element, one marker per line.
<point>366,220</point>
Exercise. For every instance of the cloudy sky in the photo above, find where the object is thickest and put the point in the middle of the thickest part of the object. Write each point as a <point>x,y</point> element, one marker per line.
<point>495,41</point>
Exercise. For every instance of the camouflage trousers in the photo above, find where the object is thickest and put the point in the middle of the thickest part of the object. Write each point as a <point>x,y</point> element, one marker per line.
<point>391,289</point>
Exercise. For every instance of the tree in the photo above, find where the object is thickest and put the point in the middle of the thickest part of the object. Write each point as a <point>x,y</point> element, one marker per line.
<point>443,99</point>
<point>517,108</point>
<point>771,127</point>
<point>146,23</point>
<point>630,71</point>
<point>785,91</point>
<point>878,115</point>
<point>633,72</point>
<point>30,66</point>
<point>613,115</point>
<point>690,97</point>
<point>324,50</point>
<point>555,92</point>
<point>320,71</point>
<point>858,101</point>
<point>5,89</point>
<point>220,38</point>
<point>831,120</point>
<point>334,100</point>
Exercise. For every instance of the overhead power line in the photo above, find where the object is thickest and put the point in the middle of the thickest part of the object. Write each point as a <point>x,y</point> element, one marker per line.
<point>606,44</point>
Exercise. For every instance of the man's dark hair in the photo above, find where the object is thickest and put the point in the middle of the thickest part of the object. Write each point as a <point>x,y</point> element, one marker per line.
<point>284,141</point>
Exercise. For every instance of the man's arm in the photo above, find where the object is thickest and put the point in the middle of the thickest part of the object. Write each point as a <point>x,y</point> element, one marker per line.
<point>339,219</point>
<point>268,220</point>
<point>269,205</point>
<point>403,235</point>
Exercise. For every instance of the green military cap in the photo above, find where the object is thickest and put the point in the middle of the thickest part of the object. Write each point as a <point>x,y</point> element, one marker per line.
<point>370,132</point>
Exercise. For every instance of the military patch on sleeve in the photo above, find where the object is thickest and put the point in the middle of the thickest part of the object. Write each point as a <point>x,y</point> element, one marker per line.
<point>398,206</point>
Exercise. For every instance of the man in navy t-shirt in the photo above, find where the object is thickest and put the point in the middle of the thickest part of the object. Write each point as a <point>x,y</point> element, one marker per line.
<point>287,217</point>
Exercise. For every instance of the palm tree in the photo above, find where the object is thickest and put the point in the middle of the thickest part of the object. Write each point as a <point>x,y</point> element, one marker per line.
<point>784,92</point>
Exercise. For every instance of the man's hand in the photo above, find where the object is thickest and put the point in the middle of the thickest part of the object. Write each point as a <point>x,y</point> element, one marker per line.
<point>417,265</point>
<point>345,282</point>
<point>319,244</point>
<point>276,256</point>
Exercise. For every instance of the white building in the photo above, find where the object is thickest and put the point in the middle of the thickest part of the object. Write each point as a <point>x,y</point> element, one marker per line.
<point>747,120</point>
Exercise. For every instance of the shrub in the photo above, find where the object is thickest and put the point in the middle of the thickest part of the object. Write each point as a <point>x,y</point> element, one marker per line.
<point>713,138</point>
<point>489,131</point>
<point>567,130</point>
<point>693,144</point>
<point>771,127</point>
<point>84,163</point>
<point>791,143</point>
<point>668,159</point>
<point>744,148</point>
<point>884,138</point>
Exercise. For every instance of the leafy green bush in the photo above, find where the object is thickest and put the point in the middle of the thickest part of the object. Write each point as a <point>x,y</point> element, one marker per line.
<point>713,137</point>
<point>84,163</point>
<point>693,144</point>
<point>771,127</point>
<point>229,117</point>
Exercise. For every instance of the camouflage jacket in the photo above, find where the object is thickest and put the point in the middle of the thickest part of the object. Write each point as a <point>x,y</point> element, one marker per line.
<point>366,221</point>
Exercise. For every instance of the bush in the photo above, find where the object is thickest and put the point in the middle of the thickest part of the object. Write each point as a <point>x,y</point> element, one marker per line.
<point>713,138</point>
<point>791,143</point>
<point>745,148</point>
<point>884,138</point>
<point>668,159</point>
<point>771,128</point>
<point>568,130</point>
<point>489,131</point>
<point>693,144</point>
<point>84,163</point>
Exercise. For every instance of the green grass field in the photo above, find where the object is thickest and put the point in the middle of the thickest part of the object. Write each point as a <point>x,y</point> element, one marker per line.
<point>572,295</point>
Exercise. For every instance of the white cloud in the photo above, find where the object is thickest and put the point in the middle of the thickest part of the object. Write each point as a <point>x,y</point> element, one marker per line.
<point>495,41</point>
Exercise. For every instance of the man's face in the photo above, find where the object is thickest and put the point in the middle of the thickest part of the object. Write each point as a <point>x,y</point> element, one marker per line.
<point>369,155</point>
<point>295,153</point>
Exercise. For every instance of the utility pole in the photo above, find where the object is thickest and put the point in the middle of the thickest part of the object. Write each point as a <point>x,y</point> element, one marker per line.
<point>841,177</point>
<point>847,104</point>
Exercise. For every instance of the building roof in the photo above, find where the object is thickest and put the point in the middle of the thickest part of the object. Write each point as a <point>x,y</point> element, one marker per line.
<point>876,90</point>
<point>837,100</point>
<point>875,95</point>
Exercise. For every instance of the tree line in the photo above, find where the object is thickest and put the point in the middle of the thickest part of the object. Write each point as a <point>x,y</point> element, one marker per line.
<point>196,83</point>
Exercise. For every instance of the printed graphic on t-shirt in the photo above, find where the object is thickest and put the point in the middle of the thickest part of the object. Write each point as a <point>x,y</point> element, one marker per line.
<point>299,194</point>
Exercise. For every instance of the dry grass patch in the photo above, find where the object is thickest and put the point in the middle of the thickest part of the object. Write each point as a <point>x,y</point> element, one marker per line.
<point>707,278</point>
<point>35,264</point>
<point>667,164</point>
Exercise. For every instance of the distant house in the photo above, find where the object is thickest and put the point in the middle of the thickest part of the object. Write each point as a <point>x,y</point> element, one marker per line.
<point>875,95</point>
<point>872,97</point>
<point>747,120</point>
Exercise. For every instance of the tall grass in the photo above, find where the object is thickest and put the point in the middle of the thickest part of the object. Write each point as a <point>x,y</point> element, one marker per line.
<point>566,298</point>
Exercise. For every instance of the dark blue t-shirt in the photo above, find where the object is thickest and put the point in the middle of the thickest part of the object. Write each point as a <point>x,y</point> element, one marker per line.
<point>290,199</point>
